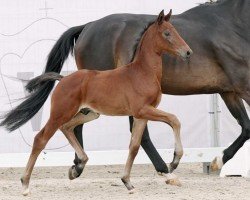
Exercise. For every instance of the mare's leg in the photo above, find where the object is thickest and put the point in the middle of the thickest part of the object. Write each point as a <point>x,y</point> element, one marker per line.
<point>237,109</point>
<point>85,115</point>
<point>150,150</point>
<point>137,131</point>
<point>40,141</point>
<point>151,113</point>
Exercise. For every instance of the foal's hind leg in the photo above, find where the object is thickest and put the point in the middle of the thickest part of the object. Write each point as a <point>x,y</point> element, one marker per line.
<point>78,129</point>
<point>39,144</point>
<point>85,115</point>
<point>151,113</point>
<point>135,142</point>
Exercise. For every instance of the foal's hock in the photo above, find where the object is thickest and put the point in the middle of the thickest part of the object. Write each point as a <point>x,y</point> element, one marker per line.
<point>85,94</point>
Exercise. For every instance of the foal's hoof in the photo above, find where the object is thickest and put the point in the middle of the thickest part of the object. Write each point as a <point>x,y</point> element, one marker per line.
<point>26,192</point>
<point>172,179</point>
<point>216,164</point>
<point>132,191</point>
<point>73,173</point>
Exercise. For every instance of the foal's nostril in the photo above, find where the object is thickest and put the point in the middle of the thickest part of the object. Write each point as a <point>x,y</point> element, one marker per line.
<point>188,54</point>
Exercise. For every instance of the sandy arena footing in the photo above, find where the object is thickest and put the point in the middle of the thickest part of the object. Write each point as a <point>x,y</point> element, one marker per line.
<point>103,182</point>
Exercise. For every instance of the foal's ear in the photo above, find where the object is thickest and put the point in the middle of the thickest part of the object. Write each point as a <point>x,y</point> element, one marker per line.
<point>160,18</point>
<point>167,17</point>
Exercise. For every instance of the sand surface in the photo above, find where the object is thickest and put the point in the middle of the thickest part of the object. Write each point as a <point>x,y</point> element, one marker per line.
<point>103,182</point>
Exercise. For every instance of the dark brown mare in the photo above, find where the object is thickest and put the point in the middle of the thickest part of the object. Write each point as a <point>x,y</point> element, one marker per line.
<point>136,92</point>
<point>218,33</point>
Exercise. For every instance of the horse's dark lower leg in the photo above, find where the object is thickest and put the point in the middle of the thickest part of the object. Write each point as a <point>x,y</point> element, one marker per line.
<point>234,147</point>
<point>78,135</point>
<point>150,150</point>
<point>237,109</point>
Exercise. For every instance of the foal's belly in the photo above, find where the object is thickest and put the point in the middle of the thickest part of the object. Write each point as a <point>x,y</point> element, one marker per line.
<point>108,103</point>
<point>107,97</point>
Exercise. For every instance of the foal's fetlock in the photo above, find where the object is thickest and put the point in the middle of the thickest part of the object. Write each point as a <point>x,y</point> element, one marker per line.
<point>172,179</point>
<point>74,172</point>
<point>176,160</point>
<point>25,185</point>
<point>172,166</point>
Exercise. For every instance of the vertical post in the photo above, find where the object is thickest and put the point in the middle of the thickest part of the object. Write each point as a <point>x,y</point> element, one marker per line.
<point>214,121</point>
<point>214,110</point>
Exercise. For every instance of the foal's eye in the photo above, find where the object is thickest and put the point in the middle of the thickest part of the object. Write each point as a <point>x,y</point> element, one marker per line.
<point>167,33</point>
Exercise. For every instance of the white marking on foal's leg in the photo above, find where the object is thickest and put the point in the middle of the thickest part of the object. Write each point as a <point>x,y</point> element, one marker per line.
<point>25,186</point>
<point>178,151</point>
<point>176,160</point>
<point>132,191</point>
<point>216,164</point>
<point>172,179</point>
<point>26,192</point>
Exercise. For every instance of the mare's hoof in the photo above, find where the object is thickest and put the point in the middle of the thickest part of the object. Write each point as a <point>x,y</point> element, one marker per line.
<point>216,164</point>
<point>73,173</point>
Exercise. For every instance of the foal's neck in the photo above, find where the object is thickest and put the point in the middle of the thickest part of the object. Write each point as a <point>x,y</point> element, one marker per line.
<point>147,56</point>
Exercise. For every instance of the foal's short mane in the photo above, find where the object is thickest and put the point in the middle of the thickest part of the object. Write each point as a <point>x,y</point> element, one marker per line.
<point>138,39</point>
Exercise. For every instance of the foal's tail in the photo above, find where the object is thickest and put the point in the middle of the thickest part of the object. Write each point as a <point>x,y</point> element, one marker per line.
<point>27,109</point>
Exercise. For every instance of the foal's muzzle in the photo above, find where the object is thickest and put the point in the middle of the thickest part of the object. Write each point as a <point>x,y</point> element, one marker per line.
<point>185,54</point>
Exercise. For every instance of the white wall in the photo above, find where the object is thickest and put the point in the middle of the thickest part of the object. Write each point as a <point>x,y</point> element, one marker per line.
<point>27,34</point>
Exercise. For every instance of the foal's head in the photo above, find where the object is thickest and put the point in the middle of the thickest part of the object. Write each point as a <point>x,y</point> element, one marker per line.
<point>167,38</point>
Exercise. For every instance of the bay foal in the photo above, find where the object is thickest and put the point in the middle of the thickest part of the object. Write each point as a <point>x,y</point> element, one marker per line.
<point>132,90</point>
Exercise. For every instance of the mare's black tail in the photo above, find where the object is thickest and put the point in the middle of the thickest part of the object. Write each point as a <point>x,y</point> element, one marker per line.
<point>41,86</point>
<point>60,52</point>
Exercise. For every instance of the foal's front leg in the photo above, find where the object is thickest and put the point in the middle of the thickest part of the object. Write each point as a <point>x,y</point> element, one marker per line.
<point>151,113</point>
<point>135,142</point>
<point>150,150</point>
